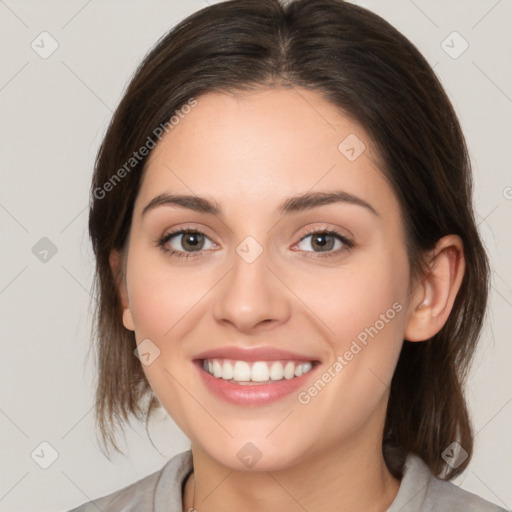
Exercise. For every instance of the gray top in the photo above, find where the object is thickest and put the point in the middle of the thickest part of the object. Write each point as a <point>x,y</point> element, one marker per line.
<point>162,492</point>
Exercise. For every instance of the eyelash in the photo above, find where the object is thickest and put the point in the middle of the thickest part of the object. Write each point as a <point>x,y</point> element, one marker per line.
<point>182,254</point>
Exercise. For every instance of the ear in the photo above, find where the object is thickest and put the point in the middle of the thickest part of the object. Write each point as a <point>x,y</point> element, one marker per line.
<point>433,298</point>
<point>115,260</point>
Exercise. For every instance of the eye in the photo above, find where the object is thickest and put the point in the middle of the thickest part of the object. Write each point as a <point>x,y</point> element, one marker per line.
<point>186,242</point>
<point>190,243</point>
<point>325,241</point>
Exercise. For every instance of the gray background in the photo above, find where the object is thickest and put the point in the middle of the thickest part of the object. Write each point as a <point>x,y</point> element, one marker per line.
<point>54,112</point>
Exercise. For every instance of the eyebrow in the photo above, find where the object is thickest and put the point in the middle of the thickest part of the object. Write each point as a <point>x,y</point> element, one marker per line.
<point>293,204</point>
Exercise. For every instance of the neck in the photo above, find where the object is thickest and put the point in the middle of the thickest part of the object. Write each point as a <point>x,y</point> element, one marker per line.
<point>352,478</point>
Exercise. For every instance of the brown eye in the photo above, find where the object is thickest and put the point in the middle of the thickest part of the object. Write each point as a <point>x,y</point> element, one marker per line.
<point>184,242</point>
<point>192,241</point>
<point>323,241</point>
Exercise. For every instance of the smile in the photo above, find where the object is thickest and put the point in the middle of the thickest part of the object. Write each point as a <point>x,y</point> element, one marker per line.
<point>254,383</point>
<point>255,371</point>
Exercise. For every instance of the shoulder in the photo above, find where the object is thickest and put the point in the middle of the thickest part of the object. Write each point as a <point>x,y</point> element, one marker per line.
<point>151,493</point>
<point>138,494</point>
<point>422,491</point>
<point>452,496</point>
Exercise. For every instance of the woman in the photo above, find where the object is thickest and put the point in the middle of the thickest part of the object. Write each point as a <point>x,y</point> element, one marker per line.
<point>288,264</point>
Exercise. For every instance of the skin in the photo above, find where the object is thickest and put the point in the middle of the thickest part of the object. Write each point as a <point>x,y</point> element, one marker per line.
<point>249,153</point>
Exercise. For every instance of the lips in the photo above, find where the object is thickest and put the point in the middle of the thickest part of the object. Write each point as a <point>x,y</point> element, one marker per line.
<point>254,354</point>
<point>244,389</point>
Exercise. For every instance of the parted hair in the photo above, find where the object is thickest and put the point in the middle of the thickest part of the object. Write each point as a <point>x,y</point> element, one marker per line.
<point>374,75</point>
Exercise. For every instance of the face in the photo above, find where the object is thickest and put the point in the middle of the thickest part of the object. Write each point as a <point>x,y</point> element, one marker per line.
<point>324,282</point>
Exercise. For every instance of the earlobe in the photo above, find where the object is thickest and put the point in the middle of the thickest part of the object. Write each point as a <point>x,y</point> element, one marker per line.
<point>128,320</point>
<point>115,261</point>
<point>433,300</point>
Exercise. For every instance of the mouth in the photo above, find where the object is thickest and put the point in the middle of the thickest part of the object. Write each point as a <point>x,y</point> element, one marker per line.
<point>242,382</point>
<point>253,372</point>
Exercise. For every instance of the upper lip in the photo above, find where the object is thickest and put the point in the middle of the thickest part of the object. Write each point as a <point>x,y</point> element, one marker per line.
<point>252,354</point>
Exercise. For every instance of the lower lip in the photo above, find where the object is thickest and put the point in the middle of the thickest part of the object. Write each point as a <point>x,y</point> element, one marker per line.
<point>252,394</point>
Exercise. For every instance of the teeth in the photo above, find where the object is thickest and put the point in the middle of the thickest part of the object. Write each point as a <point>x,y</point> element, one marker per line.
<point>276,371</point>
<point>241,371</point>
<point>227,371</point>
<point>306,367</point>
<point>259,371</point>
<point>289,370</point>
<point>217,369</point>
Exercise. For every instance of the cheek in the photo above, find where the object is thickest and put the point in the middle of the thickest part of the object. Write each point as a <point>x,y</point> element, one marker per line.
<point>161,303</point>
<point>161,295</point>
<point>352,299</point>
<point>365,316</point>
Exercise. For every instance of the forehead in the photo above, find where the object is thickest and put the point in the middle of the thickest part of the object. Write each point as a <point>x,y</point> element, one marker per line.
<point>260,147</point>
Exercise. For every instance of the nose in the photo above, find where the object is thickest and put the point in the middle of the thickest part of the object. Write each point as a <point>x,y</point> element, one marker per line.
<point>252,295</point>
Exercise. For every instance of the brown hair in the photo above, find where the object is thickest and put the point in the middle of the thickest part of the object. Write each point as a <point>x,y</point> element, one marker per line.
<point>374,75</point>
